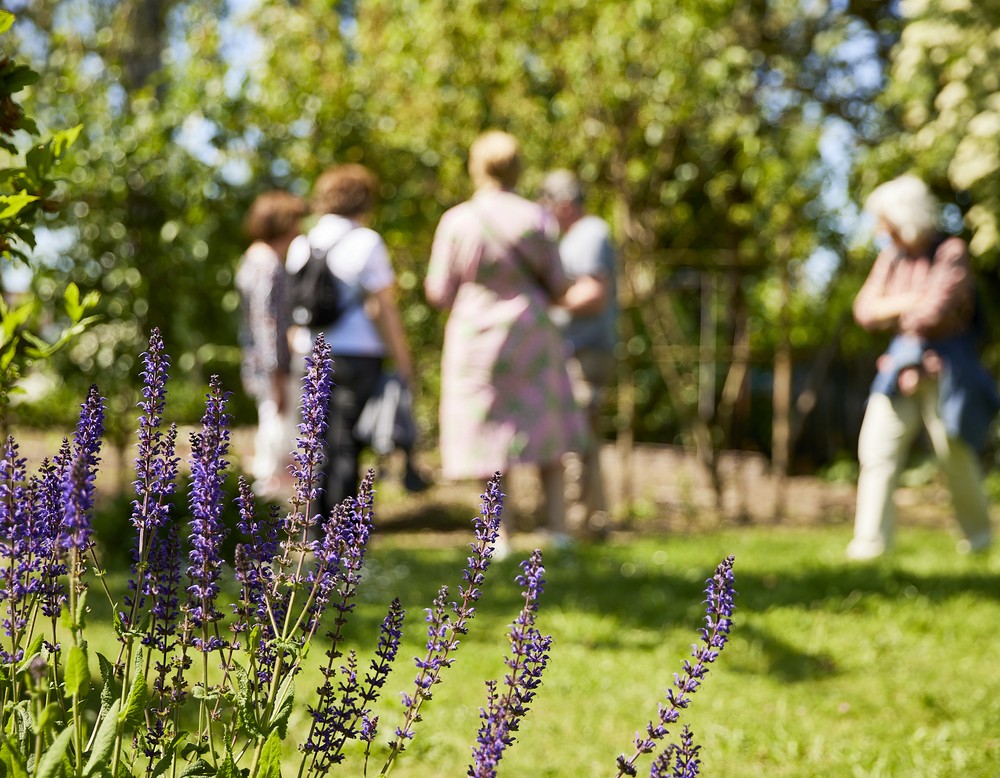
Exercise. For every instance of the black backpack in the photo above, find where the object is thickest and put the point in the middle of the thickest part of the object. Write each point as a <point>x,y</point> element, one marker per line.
<point>316,298</point>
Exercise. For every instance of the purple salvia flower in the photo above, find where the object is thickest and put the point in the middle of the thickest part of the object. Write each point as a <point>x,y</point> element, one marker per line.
<point>80,473</point>
<point>253,561</point>
<point>48,509</point>
<point>529,654</point>
<point>253,569</point>
<point>156,464</point>
<point>162,587</point>
<point>369,729</point>
<point>340,556</point>
<point>156,467</point>
<point>208,451</point>
<point>307,459</point>
<point>720,606</point>
<point>678,761</point>
<point>442,630</point>
<point>17,547</point>
<point>337,717</point>
<point>12,476</point>
<point>354,714</point>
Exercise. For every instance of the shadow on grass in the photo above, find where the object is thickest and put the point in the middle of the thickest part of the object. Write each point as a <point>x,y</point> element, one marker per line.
<point>615,597</point>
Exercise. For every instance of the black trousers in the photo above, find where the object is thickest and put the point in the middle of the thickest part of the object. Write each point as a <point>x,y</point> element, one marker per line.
<point>355,379</point>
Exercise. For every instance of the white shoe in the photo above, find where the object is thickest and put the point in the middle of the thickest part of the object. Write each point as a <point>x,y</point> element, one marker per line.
<point>978,544</point>
<point>864,550</point>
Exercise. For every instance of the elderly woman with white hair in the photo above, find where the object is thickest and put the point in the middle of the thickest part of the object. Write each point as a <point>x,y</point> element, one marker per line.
<point>921,289</point>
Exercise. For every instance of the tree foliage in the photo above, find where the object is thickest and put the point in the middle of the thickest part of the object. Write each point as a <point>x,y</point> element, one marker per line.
<point>30,190</point>
<point>696,125</point>
<point>946,91</point>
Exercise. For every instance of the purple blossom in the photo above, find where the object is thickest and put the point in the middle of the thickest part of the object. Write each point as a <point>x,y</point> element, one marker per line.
<point>155,464</point>
<point>253,569</point>
<point>529,654</point>
<point>46,511</point>
<point>253,561</point>
<point>340,557</point>
<point>80,473</point>
<point>346,715</point>
<point>720,606</point>
<point>307,459</point>
<point>443,629</point>
<point>678,760</point>
<point>208,449</point>
<point>18,547</point>
<point>156,467</point>
<point>163,589</point>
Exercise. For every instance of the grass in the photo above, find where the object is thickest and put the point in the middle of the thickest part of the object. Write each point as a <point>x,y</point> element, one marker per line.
<point>884,669</point>
<point>833,670</point>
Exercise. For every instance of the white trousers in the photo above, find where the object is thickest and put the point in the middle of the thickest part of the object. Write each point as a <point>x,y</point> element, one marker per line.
<point>272,445</point>
<point>887,432</point>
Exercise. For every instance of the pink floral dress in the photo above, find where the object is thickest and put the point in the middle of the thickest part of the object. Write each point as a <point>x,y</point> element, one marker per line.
<point>505,393</point>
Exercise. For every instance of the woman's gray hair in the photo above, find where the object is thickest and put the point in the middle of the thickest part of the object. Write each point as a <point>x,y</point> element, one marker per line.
<point>908,206</point>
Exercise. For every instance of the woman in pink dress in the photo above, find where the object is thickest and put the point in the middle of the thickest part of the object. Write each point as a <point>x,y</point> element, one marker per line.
<point>505,393</point>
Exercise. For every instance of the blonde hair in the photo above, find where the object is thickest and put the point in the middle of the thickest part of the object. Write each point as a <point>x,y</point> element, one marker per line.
<point>495,157</point>
<point>908,206</point>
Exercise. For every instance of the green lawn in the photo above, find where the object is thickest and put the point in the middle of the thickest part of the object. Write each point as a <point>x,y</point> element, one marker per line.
<point>833,670</point>
<point>886,669</point>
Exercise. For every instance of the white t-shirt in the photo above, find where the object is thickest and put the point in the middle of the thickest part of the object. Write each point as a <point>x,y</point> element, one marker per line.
<point>360,260</point>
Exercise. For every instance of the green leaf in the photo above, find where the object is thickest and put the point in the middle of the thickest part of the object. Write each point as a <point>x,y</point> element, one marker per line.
<point>199,769</point>
<point>108,695</point>
<point>71,299</point>
<point>61,141</point>
<point>34,649</point>
<point>12,205</point>
<point>228,768</point>
<point>244,702</point>
<point>81,610</point>
<point>77,678</point>
<point>135,706</point>
<point>163,765</point>
<point>283,704</point>
<point>253,640</point>
<point>50,765</point>
<point>19,77</point>
<point>104,742</point>
<point>270,758</point>
<point>49,717</point>
<point>12,759</point>
<point>6,21</point>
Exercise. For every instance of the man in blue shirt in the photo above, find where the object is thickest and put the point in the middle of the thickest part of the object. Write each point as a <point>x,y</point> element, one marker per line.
<point>587,317</point>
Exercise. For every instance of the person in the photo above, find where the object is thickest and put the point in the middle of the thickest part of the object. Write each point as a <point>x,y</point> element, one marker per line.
<point>505,392</point>
<point>270,224</point>
<point>921,289</point>
<point>370,329</point>
<point>587,316</point>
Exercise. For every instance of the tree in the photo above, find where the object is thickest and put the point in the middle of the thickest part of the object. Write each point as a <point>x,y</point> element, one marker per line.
<point>697,126</point>
<point>944,89</point>
<point>156,228</point>
<point>29,191</point>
